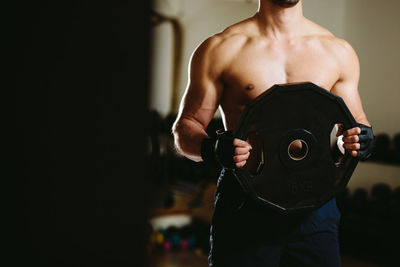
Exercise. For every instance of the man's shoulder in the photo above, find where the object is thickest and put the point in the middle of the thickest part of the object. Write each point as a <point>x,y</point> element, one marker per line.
<point>227,41</point>
<point>339,48</point>
<point>326,38</point>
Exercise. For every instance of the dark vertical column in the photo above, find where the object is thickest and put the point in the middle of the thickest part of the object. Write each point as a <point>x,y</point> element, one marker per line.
<point>80,76</point>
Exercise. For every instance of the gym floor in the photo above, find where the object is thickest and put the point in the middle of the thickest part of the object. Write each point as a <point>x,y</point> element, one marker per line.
<point>197,259</point>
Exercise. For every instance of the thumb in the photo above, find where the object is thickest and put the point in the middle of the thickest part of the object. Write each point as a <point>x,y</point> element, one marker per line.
<point>340,130</point>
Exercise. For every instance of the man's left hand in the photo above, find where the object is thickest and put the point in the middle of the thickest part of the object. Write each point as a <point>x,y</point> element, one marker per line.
<point>358,141</point>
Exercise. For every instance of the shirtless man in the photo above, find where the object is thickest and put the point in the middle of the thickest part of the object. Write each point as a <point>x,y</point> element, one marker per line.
<point>277,45</point>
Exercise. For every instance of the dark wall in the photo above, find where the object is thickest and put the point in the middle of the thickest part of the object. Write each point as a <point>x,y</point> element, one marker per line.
<point>80,79</point>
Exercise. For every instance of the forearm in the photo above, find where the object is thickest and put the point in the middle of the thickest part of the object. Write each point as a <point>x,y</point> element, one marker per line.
<point>362,119</point>
<point>188,136</point>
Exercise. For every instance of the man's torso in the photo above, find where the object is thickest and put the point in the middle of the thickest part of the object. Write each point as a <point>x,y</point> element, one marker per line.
<point>258,62</point>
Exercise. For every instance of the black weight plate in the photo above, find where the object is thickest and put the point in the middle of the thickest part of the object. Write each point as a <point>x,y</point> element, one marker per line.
<point>281,115</point>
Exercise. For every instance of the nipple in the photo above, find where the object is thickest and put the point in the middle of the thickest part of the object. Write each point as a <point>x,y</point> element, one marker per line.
<point>249,87</point>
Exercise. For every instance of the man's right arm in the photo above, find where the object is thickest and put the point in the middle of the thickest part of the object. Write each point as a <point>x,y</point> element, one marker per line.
<point>200,100</point>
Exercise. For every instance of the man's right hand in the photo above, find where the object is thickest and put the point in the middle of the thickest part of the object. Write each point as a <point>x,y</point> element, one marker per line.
<point>241,153</point>
<point>225,150</point>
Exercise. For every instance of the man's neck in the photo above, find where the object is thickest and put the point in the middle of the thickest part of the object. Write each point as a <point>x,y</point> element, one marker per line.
<point>279,22</point>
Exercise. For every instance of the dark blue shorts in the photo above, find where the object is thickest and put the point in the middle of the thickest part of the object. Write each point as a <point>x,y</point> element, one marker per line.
<point>243,233</point>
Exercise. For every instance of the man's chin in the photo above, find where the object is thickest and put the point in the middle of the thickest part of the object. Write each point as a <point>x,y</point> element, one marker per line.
<point>285,3</point>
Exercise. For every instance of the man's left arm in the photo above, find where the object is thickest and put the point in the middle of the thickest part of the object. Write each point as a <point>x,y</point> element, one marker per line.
<point>358,141</point>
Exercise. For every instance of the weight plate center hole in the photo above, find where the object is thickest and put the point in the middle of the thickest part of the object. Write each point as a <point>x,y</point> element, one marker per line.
<point>297,149</point>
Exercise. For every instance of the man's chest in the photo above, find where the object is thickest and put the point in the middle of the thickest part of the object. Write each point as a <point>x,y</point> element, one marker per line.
<point>253,71</point>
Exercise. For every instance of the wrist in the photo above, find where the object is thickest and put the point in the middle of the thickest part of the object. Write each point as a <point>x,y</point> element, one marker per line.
<point>219,150</point>
<point>208,149</point>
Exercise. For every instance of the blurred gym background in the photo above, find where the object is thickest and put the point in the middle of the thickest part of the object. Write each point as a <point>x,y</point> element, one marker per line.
<point>95,179</point>
<point>370,206</point>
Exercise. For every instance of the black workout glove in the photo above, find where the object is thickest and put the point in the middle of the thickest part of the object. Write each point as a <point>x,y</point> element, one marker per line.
<point>219,150</point>
<point>367,142</point>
